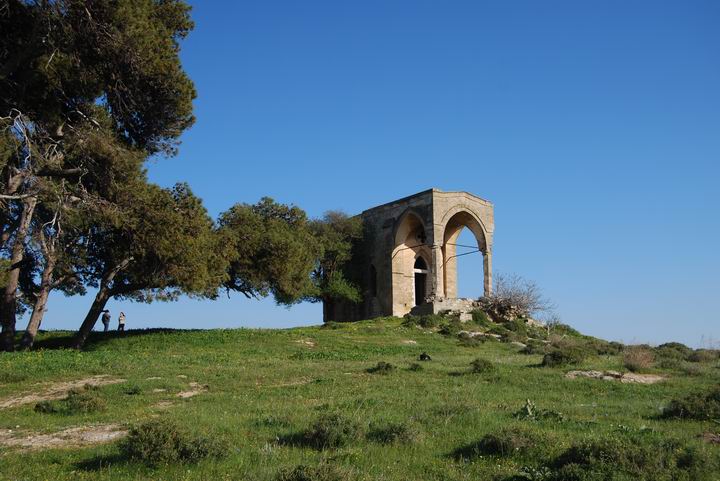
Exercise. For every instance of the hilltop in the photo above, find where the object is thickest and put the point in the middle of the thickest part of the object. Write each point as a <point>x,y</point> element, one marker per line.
<point>353,401</point>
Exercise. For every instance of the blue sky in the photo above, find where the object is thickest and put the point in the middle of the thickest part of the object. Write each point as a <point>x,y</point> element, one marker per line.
<point>594,127</point>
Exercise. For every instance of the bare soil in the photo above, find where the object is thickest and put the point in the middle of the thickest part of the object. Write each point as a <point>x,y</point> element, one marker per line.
<point>70,437</point>
<point>57,390</point>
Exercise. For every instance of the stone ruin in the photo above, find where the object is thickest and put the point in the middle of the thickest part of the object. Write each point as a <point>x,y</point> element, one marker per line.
<point>407,262</point>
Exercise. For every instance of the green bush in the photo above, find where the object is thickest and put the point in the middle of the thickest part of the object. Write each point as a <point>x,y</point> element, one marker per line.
<point>451,328</point>
<point>381,367</point>
<point>159,442</point>
<point>466,340</point>
<point>322,472</point>
<point>480,318</point>
<point>401,433</point>
<point>482,366</point>
<point>332,431</point>
<point>703,355</point>
<point>699,406</point>
<point>646,459</point>
<point>564,356</point>
<point>504,443</point>
<point>133,390</point>
<point>427,321</point>
<point>415,367</point>
<point>673,350</point>
<point>534,346</point>
<point>78,401</point>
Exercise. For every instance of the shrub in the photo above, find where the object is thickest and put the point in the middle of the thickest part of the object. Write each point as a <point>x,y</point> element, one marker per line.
<point>322,472</point>
<point>332,431</point>
<point>638,359</point>
<point>703,355</point>
<point>564,356</point>
<point>84,401</point>
<point>482,366</point>
<point>78,401</point>
<point>633,458</point>
<point>133,390</point>
<point>451,328</point>
<point>534,346</point>
<point>480,317</point>
<point>159,442</point>
<point>381,367</point>
<point>700,406</point>
<point>466,340</point>
<point>673,350</point>
<point>415,367</point>
<point>504,443</point>
<point>427,321</point>
<point>402,433</point>
<point>46,407</point>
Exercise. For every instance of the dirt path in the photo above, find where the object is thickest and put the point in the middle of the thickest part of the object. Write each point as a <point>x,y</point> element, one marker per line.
<point>71,437</point>
<point>57,390</point>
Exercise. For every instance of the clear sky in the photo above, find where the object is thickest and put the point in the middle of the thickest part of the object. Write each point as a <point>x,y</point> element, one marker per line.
<point>594,127</point>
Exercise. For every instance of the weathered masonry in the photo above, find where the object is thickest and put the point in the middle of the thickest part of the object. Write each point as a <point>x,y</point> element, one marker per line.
<point>408,260</point>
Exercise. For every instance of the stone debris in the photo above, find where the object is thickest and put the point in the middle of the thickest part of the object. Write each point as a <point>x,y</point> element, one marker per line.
<point>628,377</point>
<point>307,342</point>
<point>153,378</point>
<point>195,389</point>
<point>409,341</point>
<point>71,437</point>
<point>159,390</point>
<point>519,344</point>
<point>58,390</point>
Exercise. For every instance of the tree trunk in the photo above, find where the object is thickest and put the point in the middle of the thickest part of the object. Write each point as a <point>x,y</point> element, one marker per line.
<point>8,302</point>
<point>98,304</point>
<point>91,318</point>
<point>38,312</point>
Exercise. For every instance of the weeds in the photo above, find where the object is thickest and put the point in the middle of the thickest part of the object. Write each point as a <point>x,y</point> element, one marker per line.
<point>699,406</point>
<point>401,433</point>
<point>332,431</point>
<point>381,367</point>
<point>638,359</point>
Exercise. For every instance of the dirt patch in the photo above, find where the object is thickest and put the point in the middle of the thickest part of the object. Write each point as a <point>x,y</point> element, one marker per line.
<point>712,438</point>
<point>291,382</point>
<point>409,341</point>
<point>195,389</point>
<point>306,342</point>
<point>628,377</point>
<point>57,390</point>
<point>163,405</point>
<point>68,438</point>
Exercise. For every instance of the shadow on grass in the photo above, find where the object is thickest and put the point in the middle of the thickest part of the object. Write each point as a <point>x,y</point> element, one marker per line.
<point>101,462</point>
<point>63,340</point>
<point>297,439</point>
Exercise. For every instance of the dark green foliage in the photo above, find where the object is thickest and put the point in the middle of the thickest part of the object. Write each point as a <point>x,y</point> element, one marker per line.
<point>480,318</point>
<point>46,407</point>
<point>534,346</point>
<point>381,367</point>
<point>332,431</point>
<point>504,443</point>
<point>482,366</point>
<point>322,472</point>
<point>337,235</point>
<point>415,367</point>
<point>626,458</point>
<point>272,250</point>
<point>565,330</point>
<point>401,433</point>
<point>427,321</point>
<point>703,355</point>
<point>161,441</point>
<point>700,406</point>
<point>564,356</point>
<point>451,328</point>
<point>673,350</point>
<point>78,401</point>
<point>133,390</point>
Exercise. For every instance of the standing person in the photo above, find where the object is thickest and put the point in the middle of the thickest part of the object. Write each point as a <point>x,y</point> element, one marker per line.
<point>106,320</point>
<point>121,322</point>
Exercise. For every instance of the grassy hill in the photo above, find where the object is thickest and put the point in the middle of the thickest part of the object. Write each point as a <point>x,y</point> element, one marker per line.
<point>269,401</point>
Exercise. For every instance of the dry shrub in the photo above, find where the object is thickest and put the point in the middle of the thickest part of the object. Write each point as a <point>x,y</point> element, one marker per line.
<point>638,359</point>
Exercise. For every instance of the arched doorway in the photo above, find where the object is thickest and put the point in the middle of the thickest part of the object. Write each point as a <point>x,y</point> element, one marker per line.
<point>411,251</point>
<point>452,250</point>
<point>420,271</point>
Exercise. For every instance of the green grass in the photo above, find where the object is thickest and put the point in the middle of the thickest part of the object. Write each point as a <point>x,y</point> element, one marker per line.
<point>266,386</point>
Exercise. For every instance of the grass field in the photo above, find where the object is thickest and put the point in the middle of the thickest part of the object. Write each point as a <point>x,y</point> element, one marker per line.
<point>261,389</point>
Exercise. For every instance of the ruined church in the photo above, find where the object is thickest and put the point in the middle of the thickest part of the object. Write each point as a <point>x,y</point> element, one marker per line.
<point>407,262</point>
